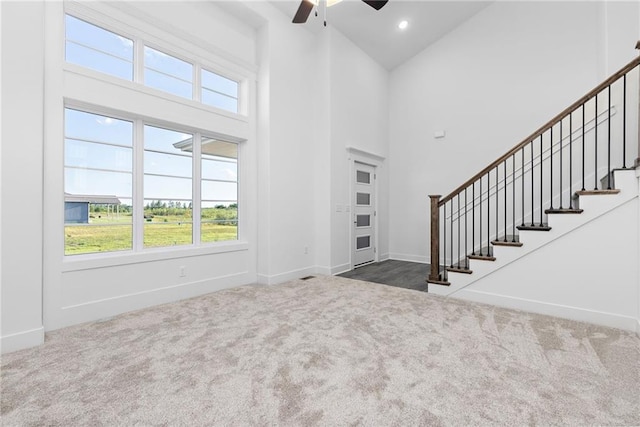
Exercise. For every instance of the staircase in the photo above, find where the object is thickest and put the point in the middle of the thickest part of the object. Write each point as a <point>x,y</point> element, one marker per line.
<point>575,169</point>
<point>592,205</point>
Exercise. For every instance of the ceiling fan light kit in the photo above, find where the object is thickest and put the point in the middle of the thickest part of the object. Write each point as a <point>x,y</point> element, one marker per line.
<point>306,6</point>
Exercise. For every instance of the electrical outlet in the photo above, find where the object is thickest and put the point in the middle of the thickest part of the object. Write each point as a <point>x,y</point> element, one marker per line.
<point>306,250</point>
<point>182,271</point>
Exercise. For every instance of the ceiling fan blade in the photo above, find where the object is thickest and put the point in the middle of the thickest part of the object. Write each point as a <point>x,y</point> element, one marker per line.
<point>376,4</point>
<point>303,12</point>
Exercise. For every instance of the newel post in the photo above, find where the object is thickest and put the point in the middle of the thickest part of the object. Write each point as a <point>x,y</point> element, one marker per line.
<point>434,275</point>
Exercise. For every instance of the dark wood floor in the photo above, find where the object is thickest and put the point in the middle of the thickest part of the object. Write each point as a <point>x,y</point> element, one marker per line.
<point>403,274</point>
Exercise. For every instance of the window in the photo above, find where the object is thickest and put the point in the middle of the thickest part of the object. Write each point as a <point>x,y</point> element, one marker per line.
<point>167,73</point>
<point>363,220</point>
<point>99,179</point>
<point>219,208</point>
<point>363,199</point>
<point>98,49</point>
<point>219,91</point>
<point>363,242</point>
<point>167,188</point>
<point>98,183</point>
<point>363,177</point>
<point>102,50</point>
<point>140,182</point>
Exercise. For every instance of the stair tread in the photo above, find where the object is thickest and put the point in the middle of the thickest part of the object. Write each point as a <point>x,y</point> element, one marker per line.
<point>509,242</point>
<point>482,257</point>
<point>597,192</point>
<point>563,211</point>
<point>459,269</point>
<point>534,227</point>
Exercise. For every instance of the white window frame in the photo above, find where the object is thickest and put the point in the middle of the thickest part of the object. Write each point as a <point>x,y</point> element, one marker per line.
<point>138,174</point>
<point>236,128</point>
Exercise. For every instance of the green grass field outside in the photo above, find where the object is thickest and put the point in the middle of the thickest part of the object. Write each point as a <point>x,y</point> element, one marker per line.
<point>110,234</point>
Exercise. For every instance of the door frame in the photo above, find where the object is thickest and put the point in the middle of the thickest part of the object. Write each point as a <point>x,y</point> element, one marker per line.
<point>355,155</point>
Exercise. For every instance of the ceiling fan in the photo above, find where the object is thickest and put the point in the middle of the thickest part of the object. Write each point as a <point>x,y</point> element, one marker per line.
<point>306,6</point>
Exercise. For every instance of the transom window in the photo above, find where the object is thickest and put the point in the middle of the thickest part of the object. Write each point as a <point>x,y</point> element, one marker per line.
<point>167,73</point>
<point>96,48</point>
<point>219,91</point>
<point>108,52</point>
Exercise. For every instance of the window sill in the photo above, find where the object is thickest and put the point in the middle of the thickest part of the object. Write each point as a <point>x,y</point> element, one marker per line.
<point>113,259</point>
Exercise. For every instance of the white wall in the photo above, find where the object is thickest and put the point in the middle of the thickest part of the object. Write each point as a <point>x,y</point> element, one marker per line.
<point>22,210</point>
<point>620,30</point>
<point>286,144</point>
<point>488,84</point>
<point>358,119</point>
<point>322,94</point>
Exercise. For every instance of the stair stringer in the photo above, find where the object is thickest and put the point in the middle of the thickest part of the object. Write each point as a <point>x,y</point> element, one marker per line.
<point>478,286</point>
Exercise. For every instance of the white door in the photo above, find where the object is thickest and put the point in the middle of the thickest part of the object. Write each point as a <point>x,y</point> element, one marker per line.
<point>364,215</point>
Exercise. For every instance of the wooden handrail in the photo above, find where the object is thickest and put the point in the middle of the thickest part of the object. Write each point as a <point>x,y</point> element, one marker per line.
<point>624,70</point>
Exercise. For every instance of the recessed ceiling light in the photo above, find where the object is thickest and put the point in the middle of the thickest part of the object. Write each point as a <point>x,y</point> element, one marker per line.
<point>403,24</point>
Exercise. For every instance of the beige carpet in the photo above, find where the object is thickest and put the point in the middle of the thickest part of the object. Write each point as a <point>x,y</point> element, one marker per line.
<point>328,351</point>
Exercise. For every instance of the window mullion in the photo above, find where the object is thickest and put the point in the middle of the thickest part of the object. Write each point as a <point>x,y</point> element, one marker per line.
<point>197,92</point>
<point>138,61</point>
<point>197,185</point>
<point>138,186</point>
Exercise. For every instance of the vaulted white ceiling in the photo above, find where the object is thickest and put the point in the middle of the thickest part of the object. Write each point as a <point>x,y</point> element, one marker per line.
<point>377,32</point>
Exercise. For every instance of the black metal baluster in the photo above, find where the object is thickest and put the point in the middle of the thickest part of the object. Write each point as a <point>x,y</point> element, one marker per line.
<point>595,130</point>
<point>609,139</point>
<point>551,170</point>
<point>497,210</point>
<point>561,163</point>
<point>473,219</point>
<point>522,182</point>
<point>458,230</point>
<point>504,188</point>
<point>583,127</point>
<point>570,160</point>
<point>624,121</point>
<point>480,223</point>
<point>513,198</point>
<point>488,212</point>
<point>444,229</point>
<point>466,238</point>
<point>532,189</point>
<point>541,200</point>
<point>451,228</point>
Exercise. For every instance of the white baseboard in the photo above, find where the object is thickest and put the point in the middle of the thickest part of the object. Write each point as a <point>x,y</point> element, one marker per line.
<point>408,257</point>
<point>333,271</point>
<point>263,279</point>
<point>383,257</point>
<point>612,320</point>
<point>109,307</point>
<point>339,269</point>
<point>22,340</point>
<point>638,328</point>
